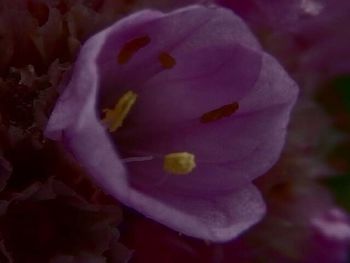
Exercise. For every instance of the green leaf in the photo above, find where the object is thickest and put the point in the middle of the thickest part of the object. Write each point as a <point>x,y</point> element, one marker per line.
<point>340,187</point>
<point>342,87</point>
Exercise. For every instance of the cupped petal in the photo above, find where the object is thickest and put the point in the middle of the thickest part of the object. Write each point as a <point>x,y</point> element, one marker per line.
<point>219,217</point>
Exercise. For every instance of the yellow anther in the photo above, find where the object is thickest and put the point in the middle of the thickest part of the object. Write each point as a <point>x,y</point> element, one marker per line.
<point>179,163</point>
<point>114,118</point>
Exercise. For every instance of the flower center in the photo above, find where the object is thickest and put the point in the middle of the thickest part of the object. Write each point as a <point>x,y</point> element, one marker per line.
<point>114,118</point>
<point>179,163</point>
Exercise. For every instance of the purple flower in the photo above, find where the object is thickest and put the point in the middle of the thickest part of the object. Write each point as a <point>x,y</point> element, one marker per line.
<point>175,114</point>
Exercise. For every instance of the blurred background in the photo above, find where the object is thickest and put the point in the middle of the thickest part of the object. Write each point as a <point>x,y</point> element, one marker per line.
<point>51,212</point>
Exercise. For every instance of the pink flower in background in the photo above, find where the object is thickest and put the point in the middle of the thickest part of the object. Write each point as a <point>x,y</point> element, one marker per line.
<point>302,225</point>
<point>311,37</point>
<point>330,237</point>
<point>175,115</point>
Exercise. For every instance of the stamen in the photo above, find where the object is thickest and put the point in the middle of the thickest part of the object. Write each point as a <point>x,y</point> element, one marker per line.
<point>131,47</point>
<point>166,60</point>
<point>179,163</point>
<point>217,114</point>
<point>114,118</point>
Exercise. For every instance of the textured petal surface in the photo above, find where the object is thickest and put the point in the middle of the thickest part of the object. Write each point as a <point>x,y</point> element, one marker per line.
<point>214,61</point>
<point>216,217</point>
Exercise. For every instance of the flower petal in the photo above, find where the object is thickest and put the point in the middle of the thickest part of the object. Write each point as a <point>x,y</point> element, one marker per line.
<point>217,218</point>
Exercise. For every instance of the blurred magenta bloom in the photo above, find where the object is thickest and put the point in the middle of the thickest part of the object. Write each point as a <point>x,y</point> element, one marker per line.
<point>330,237</point>
<point>310,36</point>
<point>175,114</point>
